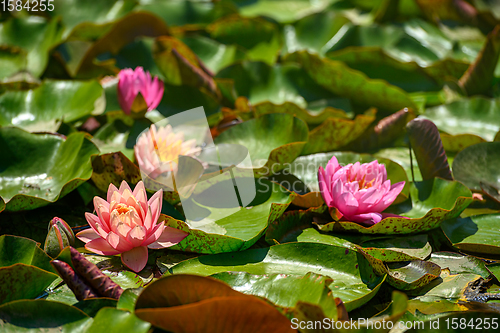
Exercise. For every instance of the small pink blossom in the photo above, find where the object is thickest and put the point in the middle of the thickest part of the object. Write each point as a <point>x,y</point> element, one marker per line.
<point>357,192</point>
<point>127,223</point>
<point>131,83</point>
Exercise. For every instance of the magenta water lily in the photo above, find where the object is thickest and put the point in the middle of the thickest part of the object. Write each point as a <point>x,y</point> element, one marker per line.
<point>138,91</point>
<point>127,223</point>
<point>357,192</point>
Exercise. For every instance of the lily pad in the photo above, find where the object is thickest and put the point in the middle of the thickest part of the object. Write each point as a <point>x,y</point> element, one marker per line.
<point>475,234</point>
<point>355,281</point>
<point>286,290</point>
<point>39,315</point>
<point>477,166</point>
<point>21,281</point>
<point>44,108</point>
<point>457,263</point>
<point>272,140</point>
<point>343,81</point>
<point>335,133</point>
<point>432,202</point>
<point>37,169</point>
<point>240,229</point>
<point>36,36</point>
<point>413,274</point>
<point>114,320</point>
<point>476,115</point>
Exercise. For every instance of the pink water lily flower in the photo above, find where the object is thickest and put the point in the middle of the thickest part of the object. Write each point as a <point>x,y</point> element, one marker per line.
<point>357,192</point>
<point>157,150</point>
<point>131,83</point>
<point>127,223</point>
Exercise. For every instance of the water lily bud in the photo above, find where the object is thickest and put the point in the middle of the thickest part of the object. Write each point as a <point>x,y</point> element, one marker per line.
<point>60,235</point>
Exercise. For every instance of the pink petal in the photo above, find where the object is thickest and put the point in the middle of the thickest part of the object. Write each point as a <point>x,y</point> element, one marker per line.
<point>347,204</point>
<point>87,235</point>
<point>323,187</point>
<point>169,237</point>
<point>136,235</point>
<point>371,197</point>
<point>136,258</point>
<point>332,166</point>
<point>118,243</point>
<point>368,218</point>
<point>101,246</point>
<point>111,189</point>
<point>390,196</point>
<point>154,234</point>
<point>155,203</point>
<point>96,224</point>
<point>124,186</point>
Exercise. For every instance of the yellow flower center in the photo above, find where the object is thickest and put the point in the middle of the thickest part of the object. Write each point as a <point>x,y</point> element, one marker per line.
<point>123,209</point>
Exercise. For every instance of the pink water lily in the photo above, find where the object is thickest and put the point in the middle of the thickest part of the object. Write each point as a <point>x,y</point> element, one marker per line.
<point>157,150</point>
<point>357,192</point>
<point>131,83</point>
<point>126,223</point>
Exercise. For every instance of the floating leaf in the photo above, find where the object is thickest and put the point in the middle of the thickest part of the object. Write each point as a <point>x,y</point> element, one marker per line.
<point>426,143</point>
<point>432,202</point>
<point>272,140</point>
<point>114,320</point>
<point>215,305</point>
<point>286,290</point>
<point>355,281</point>
<point>335,133</point>
<point>477,166</point>
<point>46,168</point>
<point>44,108</point>
<point>413,274</point>
<point>343,81</point>
<point>458,263</point>
<point>476,115</point>
<point>39,315</point>
<point>475,234</point>
<point>479,76</point>
<point>242,228</point>
<point>34,35</point>
<point>113,168</point>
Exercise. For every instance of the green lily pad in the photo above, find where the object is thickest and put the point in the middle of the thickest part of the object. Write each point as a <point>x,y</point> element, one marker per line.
<point>20,250</point>
<point>310,117</point>
<point>335,133</point>
<point>118,321</point>
<point>34,35</point>
<point>187,12</point>
<point>281,83</point>
<point>476,234</point>
<point>286,290</point>
<point>451,287</point>
<point>355,280</point>
<point>44,108</point>
<point>399,248</point>
<point>456,143</point>
<point>457,263</point>
<point>272,140</point>
<point>343,81</point>
<point>38,169</point>
<point>259,37</point>
<point>242,229</point>
<point>432,202</point>
<point>21,281</point>
<point>377,64</point>
<point>477,166</point>
<point>306,168</point>
<point>213,54</point>
<point>41,316</point>
<point>476,115</point>
<point>402,157</point>
<point>79,16</point>
<point>92,305</point>
<point>281,11</point>
<point>413,274</point>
